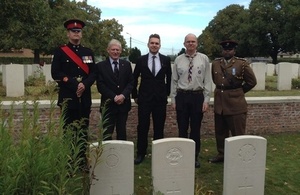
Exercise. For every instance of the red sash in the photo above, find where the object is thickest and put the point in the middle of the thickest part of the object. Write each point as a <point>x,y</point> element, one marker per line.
<point>76,59</point>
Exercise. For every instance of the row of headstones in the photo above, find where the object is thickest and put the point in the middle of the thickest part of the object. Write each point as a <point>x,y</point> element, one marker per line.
<point>14,75</point>
<point>173,166</point>
<point>285,71</point>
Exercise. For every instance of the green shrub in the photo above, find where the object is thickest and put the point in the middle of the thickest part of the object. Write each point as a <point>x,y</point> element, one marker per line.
<point>296,83</point>
<point>37,162</point>
<point>43,160</point>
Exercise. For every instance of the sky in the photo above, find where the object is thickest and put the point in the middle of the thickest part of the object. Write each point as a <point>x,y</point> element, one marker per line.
<point>171,19</point>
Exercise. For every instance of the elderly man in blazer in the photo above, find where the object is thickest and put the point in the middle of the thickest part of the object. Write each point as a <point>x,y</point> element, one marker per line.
<point>154,70</point>
<point>115,83</point>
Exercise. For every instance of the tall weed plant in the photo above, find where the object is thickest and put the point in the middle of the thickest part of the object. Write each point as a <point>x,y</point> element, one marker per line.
<point>33,161</point>
<point>96,150</point>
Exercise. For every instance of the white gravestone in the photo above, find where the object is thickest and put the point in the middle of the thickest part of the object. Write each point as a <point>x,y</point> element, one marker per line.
<point>244,165</point>
<point>114,175</point>
<point>47,73</point>
<point>270,69</point>
<point>28,71</point>
<point>14,77</point>
<point>285,75</point>
<point>173,166</point>
<point>36,70</point>
<point>259,69</point>
<point>295,70</point>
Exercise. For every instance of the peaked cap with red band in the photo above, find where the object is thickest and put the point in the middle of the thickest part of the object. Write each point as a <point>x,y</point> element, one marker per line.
<point>229,44</point>
<point>74,24</point>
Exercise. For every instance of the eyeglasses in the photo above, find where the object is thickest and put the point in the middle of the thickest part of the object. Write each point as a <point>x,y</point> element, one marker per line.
<point>75,30</point>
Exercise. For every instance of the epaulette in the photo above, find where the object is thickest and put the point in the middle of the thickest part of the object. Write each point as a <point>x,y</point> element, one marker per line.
<point>216,59</point>
<point>243,59</point>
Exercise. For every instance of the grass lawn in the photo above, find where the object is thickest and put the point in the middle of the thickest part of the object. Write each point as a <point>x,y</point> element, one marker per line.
<point>283,156</point>
<point>282,168</point>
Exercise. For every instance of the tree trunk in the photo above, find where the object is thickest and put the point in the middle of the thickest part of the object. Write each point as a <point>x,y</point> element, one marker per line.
<point>274,58</point>
<point>274,54</point>
<point>36,58</point>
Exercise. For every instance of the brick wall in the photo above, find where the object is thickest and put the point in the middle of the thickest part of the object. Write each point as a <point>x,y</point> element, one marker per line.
<point>265,116</point>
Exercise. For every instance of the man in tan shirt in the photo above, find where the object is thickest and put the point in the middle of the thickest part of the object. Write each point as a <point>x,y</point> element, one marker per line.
<point>190,90</point>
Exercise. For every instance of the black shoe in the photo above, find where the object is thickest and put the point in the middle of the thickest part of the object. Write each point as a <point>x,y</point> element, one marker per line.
<point>139,159</point>
<point>197,164</point>
<point>216,159</point>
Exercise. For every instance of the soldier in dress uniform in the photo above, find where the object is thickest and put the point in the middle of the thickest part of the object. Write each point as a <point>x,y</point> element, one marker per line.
<point>73,68</point>
<point>233,78</point>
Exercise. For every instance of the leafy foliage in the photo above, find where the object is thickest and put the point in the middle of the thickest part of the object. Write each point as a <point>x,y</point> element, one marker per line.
<point>38,25</point>
<point>134,55</point>
<point>181,51</point>
<point>37,162</point>
<point>265,29</point>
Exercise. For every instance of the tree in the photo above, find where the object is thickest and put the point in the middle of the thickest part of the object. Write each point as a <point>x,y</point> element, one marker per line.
<point>38,25</point>
<point>134,55</point>
<point>207,44</point>
<point>25,24</point>
<point>229,23</point>
<point>181,51</point>
<point>63,10</point>
<point>109,29</point>
<point>274,26</point>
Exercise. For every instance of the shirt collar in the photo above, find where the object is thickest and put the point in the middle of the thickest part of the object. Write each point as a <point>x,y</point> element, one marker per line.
<point>191,56</point>
<point>111,60</point>
<point>151,55</point>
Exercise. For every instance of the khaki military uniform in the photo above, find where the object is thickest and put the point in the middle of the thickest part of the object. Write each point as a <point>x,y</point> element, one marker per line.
<point>233,79</point>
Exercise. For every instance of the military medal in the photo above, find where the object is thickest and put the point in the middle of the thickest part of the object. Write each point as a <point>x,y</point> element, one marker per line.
<point>233,71</point>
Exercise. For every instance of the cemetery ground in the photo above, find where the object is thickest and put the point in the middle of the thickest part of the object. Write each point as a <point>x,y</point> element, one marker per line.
<point>282,165</point>
<point>282,168</point>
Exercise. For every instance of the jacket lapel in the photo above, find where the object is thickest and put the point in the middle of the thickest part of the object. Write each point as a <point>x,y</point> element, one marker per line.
<point>161,61</point>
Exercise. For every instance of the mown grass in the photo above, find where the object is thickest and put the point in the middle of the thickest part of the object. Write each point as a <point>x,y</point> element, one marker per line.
<point>282,168</point>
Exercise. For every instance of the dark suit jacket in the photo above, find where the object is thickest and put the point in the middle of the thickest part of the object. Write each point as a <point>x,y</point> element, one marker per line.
<point>109,86</point>
<point>152,88</point>
<point>64,71</point>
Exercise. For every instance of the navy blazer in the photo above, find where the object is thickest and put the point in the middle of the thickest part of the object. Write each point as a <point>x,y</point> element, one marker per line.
<point>152,88</point>
<point>108,86</point>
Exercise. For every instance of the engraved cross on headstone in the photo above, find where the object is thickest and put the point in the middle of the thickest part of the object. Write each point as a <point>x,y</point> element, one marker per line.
<point>246,184</point>
<point>174,190</point>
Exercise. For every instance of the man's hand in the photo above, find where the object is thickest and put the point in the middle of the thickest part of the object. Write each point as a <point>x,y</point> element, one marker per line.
<point>80,89</point>
<point>119,99</point>
<point>205,107</point>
